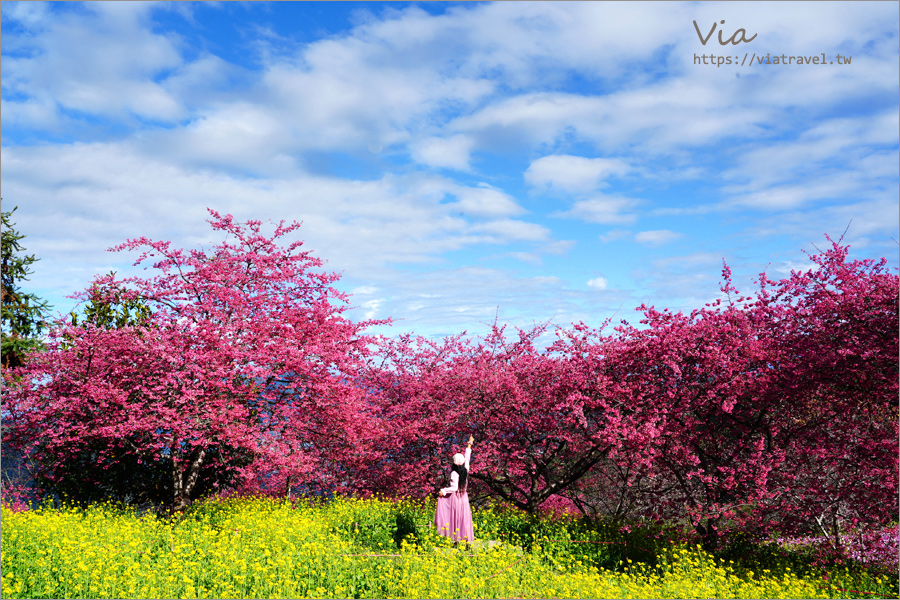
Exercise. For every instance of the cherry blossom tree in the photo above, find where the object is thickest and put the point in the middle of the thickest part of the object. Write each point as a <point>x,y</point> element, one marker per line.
<point>836,327</point>
<point>540,424</point>
<point>244,365</point>
<point>708,374</point>
<point>775,410</point>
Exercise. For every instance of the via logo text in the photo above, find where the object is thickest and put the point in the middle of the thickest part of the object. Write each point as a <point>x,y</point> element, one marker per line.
<point>734,39</point>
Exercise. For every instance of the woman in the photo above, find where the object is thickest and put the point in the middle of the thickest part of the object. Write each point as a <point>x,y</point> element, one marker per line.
<point>454,516</point>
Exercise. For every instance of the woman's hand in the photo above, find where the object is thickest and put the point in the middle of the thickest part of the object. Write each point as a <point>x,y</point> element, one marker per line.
<point>471,439</point>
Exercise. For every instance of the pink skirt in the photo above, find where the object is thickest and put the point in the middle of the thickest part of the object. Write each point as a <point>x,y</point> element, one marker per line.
<point>442,517</point>
<point>454,517</point>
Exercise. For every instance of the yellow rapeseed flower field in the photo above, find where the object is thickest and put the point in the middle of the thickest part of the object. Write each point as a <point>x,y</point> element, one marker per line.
<point>346,548</point>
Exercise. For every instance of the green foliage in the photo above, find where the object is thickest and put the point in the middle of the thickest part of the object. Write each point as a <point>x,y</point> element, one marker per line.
<point>113,307</point>
<point>406,529</point>
<point>23,315</point>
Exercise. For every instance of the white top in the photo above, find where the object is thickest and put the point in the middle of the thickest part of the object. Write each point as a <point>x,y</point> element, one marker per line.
<point>454,476</point>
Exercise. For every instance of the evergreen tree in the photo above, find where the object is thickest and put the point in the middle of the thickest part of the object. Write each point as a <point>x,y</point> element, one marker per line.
<point>23,314</point>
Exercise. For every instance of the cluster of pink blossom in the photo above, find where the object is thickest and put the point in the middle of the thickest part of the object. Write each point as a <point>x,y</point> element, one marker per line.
<point>559,505</point>
<point>17,497</point>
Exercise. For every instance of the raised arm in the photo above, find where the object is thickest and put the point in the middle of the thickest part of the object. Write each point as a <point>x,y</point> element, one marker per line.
<point>468,454</point>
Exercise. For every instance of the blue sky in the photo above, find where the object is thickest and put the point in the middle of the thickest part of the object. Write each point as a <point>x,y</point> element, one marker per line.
<point>456,161</point>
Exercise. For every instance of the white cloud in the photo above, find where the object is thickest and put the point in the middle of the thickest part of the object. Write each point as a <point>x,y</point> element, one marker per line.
<point>560,247</point>
<point>597,283</point>
<point>452,152</point>
<point>847,157</point>
<point>615,235</point>
<point>485,201</point>
<point>506,230</point>
<point>659,118</point>
<point>371,308</point>
<point>30,113</point>
<point>681,282</point>
<point>527,257</point>
<point>656,237</point>
<point>575,174</point>
<point>100,61</point>
<point>603,209</point>
<point>33,15</point>
<point>875,218</point>
<point>524,44</point>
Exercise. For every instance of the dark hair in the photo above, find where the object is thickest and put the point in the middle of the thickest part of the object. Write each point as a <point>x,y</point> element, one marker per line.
<point>463,475</point>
